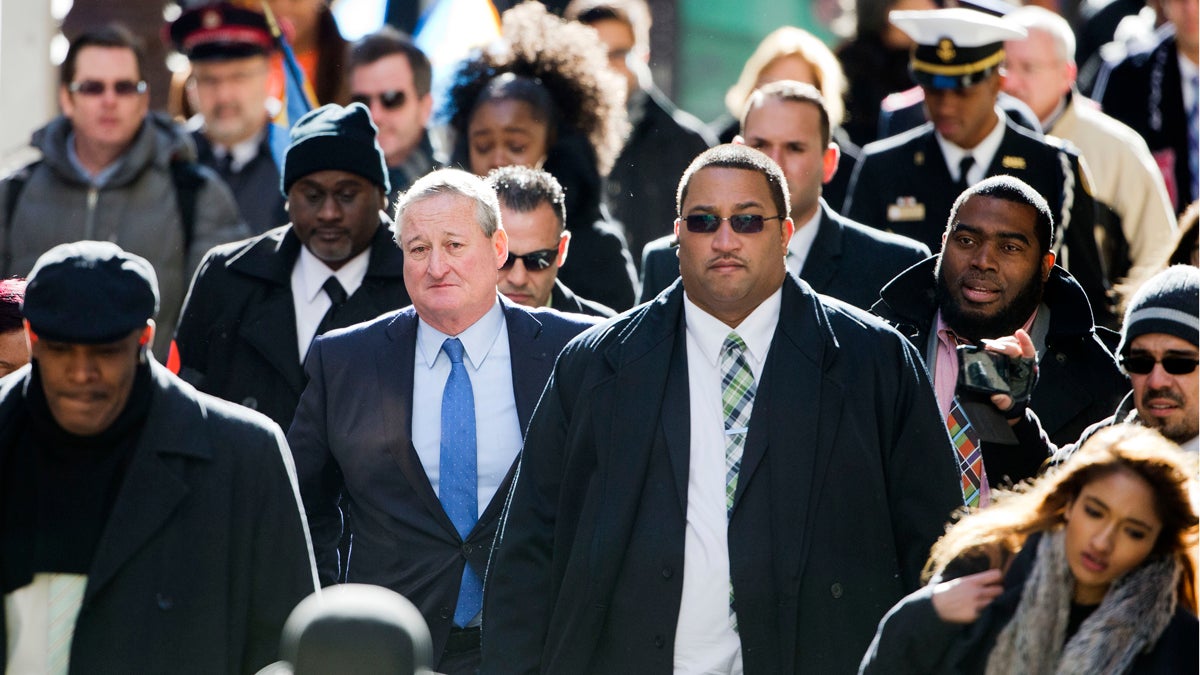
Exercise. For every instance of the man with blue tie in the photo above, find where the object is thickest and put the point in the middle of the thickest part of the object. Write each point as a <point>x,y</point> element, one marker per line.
<point>411,423</point>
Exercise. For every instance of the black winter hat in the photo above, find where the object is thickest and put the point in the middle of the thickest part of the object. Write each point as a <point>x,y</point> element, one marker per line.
<point>1169,302</point>
<point>89,292</point>
<point>335,138</point>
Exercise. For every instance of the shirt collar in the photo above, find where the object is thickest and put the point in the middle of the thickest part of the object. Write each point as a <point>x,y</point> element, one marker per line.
<point>478,339</point>
<point>242,152</point>
<point>756,330</point>
<point>314,272</point>
<point>983,152</point>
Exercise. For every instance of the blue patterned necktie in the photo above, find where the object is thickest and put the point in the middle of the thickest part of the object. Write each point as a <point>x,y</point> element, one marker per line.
<point>737,402</point>
<point>458,475</point>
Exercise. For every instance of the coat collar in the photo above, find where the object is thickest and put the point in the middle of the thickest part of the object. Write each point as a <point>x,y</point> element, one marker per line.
<point>272,255</point>
<point>909,300</point>
<point>822,262</point>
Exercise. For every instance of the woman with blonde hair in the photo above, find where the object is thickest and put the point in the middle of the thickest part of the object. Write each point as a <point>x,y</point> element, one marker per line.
<point>1089,569</point>
<point>791,53</point>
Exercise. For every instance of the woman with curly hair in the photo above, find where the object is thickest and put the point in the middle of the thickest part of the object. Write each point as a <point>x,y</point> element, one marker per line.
<point>1090,569</point>
<point>543,97</point>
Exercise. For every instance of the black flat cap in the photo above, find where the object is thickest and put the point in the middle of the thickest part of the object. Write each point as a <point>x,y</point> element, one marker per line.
<point>220,30</point>
<point>89,292</point>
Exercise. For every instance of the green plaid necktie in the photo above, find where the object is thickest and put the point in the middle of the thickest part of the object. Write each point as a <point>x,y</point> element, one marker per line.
<point>737,401</point>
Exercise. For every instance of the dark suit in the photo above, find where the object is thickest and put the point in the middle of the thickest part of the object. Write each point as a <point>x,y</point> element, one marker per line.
<point>847,261</point>
<point>237,336</point>
<point>1144,91</point>
<point>353,447</point>
<point>564,299</point>
<point>255,186</point>
<point>902,185</point>
<point>205,552</point>
<point>846,480</point>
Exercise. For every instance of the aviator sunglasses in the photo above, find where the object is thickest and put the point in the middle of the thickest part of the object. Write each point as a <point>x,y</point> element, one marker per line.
<point>534,261</point>
<point>388,99</point>
<point>742,223</point>
<point>1175,365</point>
<point>97,88</point>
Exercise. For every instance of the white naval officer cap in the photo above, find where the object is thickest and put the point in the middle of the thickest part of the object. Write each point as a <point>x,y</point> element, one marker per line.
<point>955,47</point>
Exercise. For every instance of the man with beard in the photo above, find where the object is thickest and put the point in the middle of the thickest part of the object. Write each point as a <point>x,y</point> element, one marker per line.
<point>996,275</point>
<point>1159,352</point>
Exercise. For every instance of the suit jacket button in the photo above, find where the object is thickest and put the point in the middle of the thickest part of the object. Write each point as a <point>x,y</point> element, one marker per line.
<point>1060,357</point>
<point>164,602</point>
<point>444,613</point>
<point>835,590</point>
<point>250,402</point>
<point>659,641</point>
<point>667,572</point>
<point>468,549</point>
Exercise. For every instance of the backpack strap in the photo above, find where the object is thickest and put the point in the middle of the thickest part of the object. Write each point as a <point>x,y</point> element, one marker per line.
<point>16,184</point>
<point>188,179</point>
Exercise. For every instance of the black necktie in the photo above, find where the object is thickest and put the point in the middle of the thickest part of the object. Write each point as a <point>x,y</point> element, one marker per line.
<point>963,167</point>
<point>337,298</point>
<point>225,165</point>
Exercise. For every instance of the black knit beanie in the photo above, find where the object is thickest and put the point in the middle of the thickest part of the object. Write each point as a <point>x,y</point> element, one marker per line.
<point>335,138</point>
<point>1169,302</point>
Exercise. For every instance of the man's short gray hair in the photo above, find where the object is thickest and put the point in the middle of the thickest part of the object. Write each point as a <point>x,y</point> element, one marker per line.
<point>457,182</point>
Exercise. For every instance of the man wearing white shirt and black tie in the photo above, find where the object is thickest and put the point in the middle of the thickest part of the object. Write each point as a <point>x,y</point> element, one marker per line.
<point>256,305</point>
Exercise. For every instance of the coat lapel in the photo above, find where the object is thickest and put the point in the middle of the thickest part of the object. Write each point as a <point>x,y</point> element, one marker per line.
<point>269,326</point>
<point>395,373</point>
<point>822,262</point>
<point>153,485</point>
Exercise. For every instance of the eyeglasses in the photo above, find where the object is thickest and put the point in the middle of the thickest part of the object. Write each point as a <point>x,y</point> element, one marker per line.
<point>388,99</point>
<point>534,261</point>
<point>1175,365</point>
<point>742,223</point>
<point>97,88</point>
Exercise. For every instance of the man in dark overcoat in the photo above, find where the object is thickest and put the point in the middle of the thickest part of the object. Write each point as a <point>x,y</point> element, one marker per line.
<point>144,527</point>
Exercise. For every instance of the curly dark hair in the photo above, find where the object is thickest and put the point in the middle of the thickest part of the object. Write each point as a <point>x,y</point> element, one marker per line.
<point>570,62</point>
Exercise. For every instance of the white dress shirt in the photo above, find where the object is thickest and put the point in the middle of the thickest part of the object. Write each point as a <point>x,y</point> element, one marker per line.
<point>801,243</point>
<point>242,153</point>
<point>310,299</point>
<point>983,152</point>
<point>497,428</point>
<point>705,639</point>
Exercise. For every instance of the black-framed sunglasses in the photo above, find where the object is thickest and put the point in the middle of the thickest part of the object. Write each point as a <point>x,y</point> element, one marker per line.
<point>388,99</point>
<point>97,88</point>
<point>1142,364</point>
<point>742,223</point>
<point>534,261</point>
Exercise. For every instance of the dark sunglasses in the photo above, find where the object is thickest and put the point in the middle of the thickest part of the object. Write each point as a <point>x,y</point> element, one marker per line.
<point>742,223</point>
<point>534,261</point>
<point>97,88</point>
<point>388,99</point>
<point>1175,365</point>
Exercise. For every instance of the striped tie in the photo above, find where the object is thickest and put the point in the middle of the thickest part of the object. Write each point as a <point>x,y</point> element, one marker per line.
<point>737,401</point>
<point>969,456</point>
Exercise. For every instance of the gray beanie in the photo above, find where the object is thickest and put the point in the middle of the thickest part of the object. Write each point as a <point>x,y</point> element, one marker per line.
<point>335,138</point>
<point>1169,302</point>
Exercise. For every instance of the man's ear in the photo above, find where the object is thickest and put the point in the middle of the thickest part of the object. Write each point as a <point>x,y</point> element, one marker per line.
<point>1047,265</point>
<point>564,243</point>
<point>829,162</point>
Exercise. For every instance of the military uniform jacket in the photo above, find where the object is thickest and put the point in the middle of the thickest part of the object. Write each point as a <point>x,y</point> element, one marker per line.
<point>206,550</point>
<point>237,336</point>
<point>255,186</point>
<point>902,185</point>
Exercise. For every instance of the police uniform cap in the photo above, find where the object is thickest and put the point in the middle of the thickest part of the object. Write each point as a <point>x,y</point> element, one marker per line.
<point>220,31</point>
<point>89,292</point>
<point>955,47</point>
